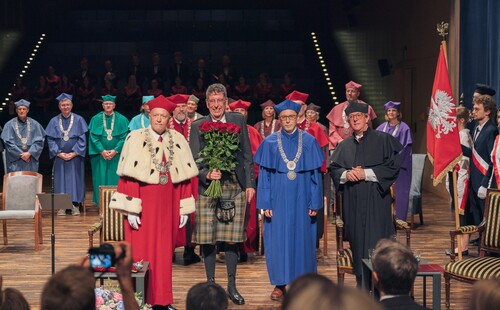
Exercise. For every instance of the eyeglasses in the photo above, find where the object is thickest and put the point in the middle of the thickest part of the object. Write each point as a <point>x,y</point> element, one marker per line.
<point>356,115</point>
<point>287,117</point>
<point>211,101</point>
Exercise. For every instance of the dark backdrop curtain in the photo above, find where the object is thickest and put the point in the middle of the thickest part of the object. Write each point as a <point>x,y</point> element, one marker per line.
<point>479,46</point>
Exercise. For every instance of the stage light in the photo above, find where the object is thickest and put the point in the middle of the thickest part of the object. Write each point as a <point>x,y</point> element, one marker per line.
<point>315,41</point>
<point>320,57</point>
<point>329,83</point>
<point>326,74</point>
<point>325,70</point>
<point>31,58</point>
<point>23,71</point>
<point>331,87</point>
<point>25,67</point>
<point>321,61</point>
<point>318,49</point>
<point>319,53</point>
<point>37,46</point>
<point>20,75</point>
<point>28,62</point>
<point>334,98</point>
<point>316,45</point>
<point>323,65</point>
<point>328,79</point>
<point>33,54</point>
<point>35,50</point>
<point>312,33</point>
<point>7,99</point>
<point>43,34</point>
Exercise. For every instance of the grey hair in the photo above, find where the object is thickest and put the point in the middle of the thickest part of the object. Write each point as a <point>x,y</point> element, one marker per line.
<point>216,88</point>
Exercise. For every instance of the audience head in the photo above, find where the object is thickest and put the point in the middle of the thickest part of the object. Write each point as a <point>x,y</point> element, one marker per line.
<point>463,115</point>
<point>485,295</point>
<point>12,299</point>
<point>394,267</point>
<point>72,288</point>
<point>311,291</point>
<point>206,296</point>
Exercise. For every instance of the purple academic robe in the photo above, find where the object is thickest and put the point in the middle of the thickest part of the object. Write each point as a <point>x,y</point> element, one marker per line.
<point>69,176</point>
<point>403,182</point>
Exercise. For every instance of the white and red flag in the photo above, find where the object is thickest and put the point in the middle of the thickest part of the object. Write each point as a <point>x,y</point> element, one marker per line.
<point>443,140</point>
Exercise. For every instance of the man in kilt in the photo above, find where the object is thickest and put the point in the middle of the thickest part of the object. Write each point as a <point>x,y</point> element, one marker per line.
<point>238,187</point>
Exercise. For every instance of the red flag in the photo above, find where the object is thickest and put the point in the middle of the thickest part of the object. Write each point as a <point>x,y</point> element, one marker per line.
<point>443,140</point>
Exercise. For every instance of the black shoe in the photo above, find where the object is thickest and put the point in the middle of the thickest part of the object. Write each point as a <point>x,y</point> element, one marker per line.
<point>192,259</point>
<point>475,241</point>
<point>464,253</point>
<point>170,307</point>
<point>212,280</point>
<point>235,297</point>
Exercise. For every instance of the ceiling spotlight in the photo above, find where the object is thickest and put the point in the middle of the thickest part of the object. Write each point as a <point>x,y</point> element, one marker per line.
<point>323,65</point>
<point>316,45</point>
<point>325,70</point>
<point>7,99</point>
<point>331,87</point>
<point>23,71</point>
<point>326,73</point>
<point>39,42</point>
<point>328,79</point>
<point>37,46</point>
<point>318,49</point>
<point>315,41</point>
<point>33,54</point>
<point>313,34</point>
<point>28,62</point>
<point>321,60</point>
<point>334,98</point>
<point>20,75</point>
<point>25,67</point>
<point>31,58</point>
<point>9,94</point>
<point>319,53</point>
<point>329,83</point>
<point>35,50</point>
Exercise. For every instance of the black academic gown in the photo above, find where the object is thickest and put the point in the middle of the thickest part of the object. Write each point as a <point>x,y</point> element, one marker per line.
<point>367,205</point>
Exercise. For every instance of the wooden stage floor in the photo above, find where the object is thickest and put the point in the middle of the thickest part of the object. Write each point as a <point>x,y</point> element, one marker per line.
<point>27,271</point>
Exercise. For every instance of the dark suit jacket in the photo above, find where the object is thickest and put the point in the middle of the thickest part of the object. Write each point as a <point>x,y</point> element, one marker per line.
<point>244,168</point>
<point>483,146</point>
<point>401,303</point>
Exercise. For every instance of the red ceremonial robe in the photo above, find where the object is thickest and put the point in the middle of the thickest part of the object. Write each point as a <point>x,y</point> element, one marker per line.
<point>184,233</point>
<point>154,241</point>
<point>316,131</point>
<point>252,243</point>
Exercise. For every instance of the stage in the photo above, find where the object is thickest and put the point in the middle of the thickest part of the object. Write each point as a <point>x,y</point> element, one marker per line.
<point>26,270</point>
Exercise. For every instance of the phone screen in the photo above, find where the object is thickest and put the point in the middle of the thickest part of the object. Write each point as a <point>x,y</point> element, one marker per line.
<point>101,260</point>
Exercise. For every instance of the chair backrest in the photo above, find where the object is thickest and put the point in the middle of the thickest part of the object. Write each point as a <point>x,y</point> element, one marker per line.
<point>112,221</point>
<point>417,173</point>
<point>492,216</point>
<point>20,189</point>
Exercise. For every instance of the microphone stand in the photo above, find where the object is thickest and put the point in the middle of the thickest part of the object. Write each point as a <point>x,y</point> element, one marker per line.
<point>53,236</point>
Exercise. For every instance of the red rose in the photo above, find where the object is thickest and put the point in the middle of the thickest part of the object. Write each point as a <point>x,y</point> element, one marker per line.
<point>204,127</point>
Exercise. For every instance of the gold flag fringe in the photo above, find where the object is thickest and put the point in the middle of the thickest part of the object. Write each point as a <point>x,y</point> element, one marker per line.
<point>442,174</point>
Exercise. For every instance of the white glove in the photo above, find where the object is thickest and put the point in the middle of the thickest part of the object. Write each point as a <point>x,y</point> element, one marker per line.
<point>184,220</point>
<point>481,192</point>
<point>134,221</point>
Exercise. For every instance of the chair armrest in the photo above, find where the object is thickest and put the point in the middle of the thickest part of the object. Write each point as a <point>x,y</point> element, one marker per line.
<point>97,226</point>
<point>339,227</point>
<point>463,230</point>
<point>402,225</point>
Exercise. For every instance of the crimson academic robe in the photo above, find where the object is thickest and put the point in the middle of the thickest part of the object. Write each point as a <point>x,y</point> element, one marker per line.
<point>184,233</point>
<point>252,243</point>
<point>317,132</point>
<point>161,205</point>
<point>367,205</point>
<point>264,130</point>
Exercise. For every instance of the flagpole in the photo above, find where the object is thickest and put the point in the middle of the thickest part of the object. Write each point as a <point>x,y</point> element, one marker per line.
<point>457,218</point>
<point>442,29</point>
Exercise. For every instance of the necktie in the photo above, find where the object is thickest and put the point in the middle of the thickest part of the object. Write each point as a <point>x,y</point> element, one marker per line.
<point>476,133</point>
<point>164,159</point>
<point>182,127</point>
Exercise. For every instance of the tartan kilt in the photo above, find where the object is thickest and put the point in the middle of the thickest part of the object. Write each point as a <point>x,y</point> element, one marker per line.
<point>208,229</point>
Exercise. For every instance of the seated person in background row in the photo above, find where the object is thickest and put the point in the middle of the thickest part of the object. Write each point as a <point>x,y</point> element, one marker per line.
<point>394,271</point>
<point>485,295</point>
<point>13,299</point>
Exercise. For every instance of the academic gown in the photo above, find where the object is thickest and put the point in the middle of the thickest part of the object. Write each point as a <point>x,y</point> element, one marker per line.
<point>69,176</point>
<point>139,121</point>
<point>155,240</point>
<point>252,243</point>
<point>104,171</point>
<point>317,132</point>
<point>13,144</point>
<point>290,234</point>
<point>184,233</point>
<point>403,182</point>
<point>367,205</point>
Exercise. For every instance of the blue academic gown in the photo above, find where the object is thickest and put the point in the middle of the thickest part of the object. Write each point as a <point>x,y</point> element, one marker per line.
<point>137,121</point>
<point>290,235</point>
<point>69,176</point>
<point>13,145</point>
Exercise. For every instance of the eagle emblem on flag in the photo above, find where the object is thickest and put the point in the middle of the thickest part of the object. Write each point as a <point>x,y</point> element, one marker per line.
<point>441,116</point>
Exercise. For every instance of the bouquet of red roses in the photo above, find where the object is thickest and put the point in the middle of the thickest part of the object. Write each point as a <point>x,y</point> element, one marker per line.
<point>221,143</point>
